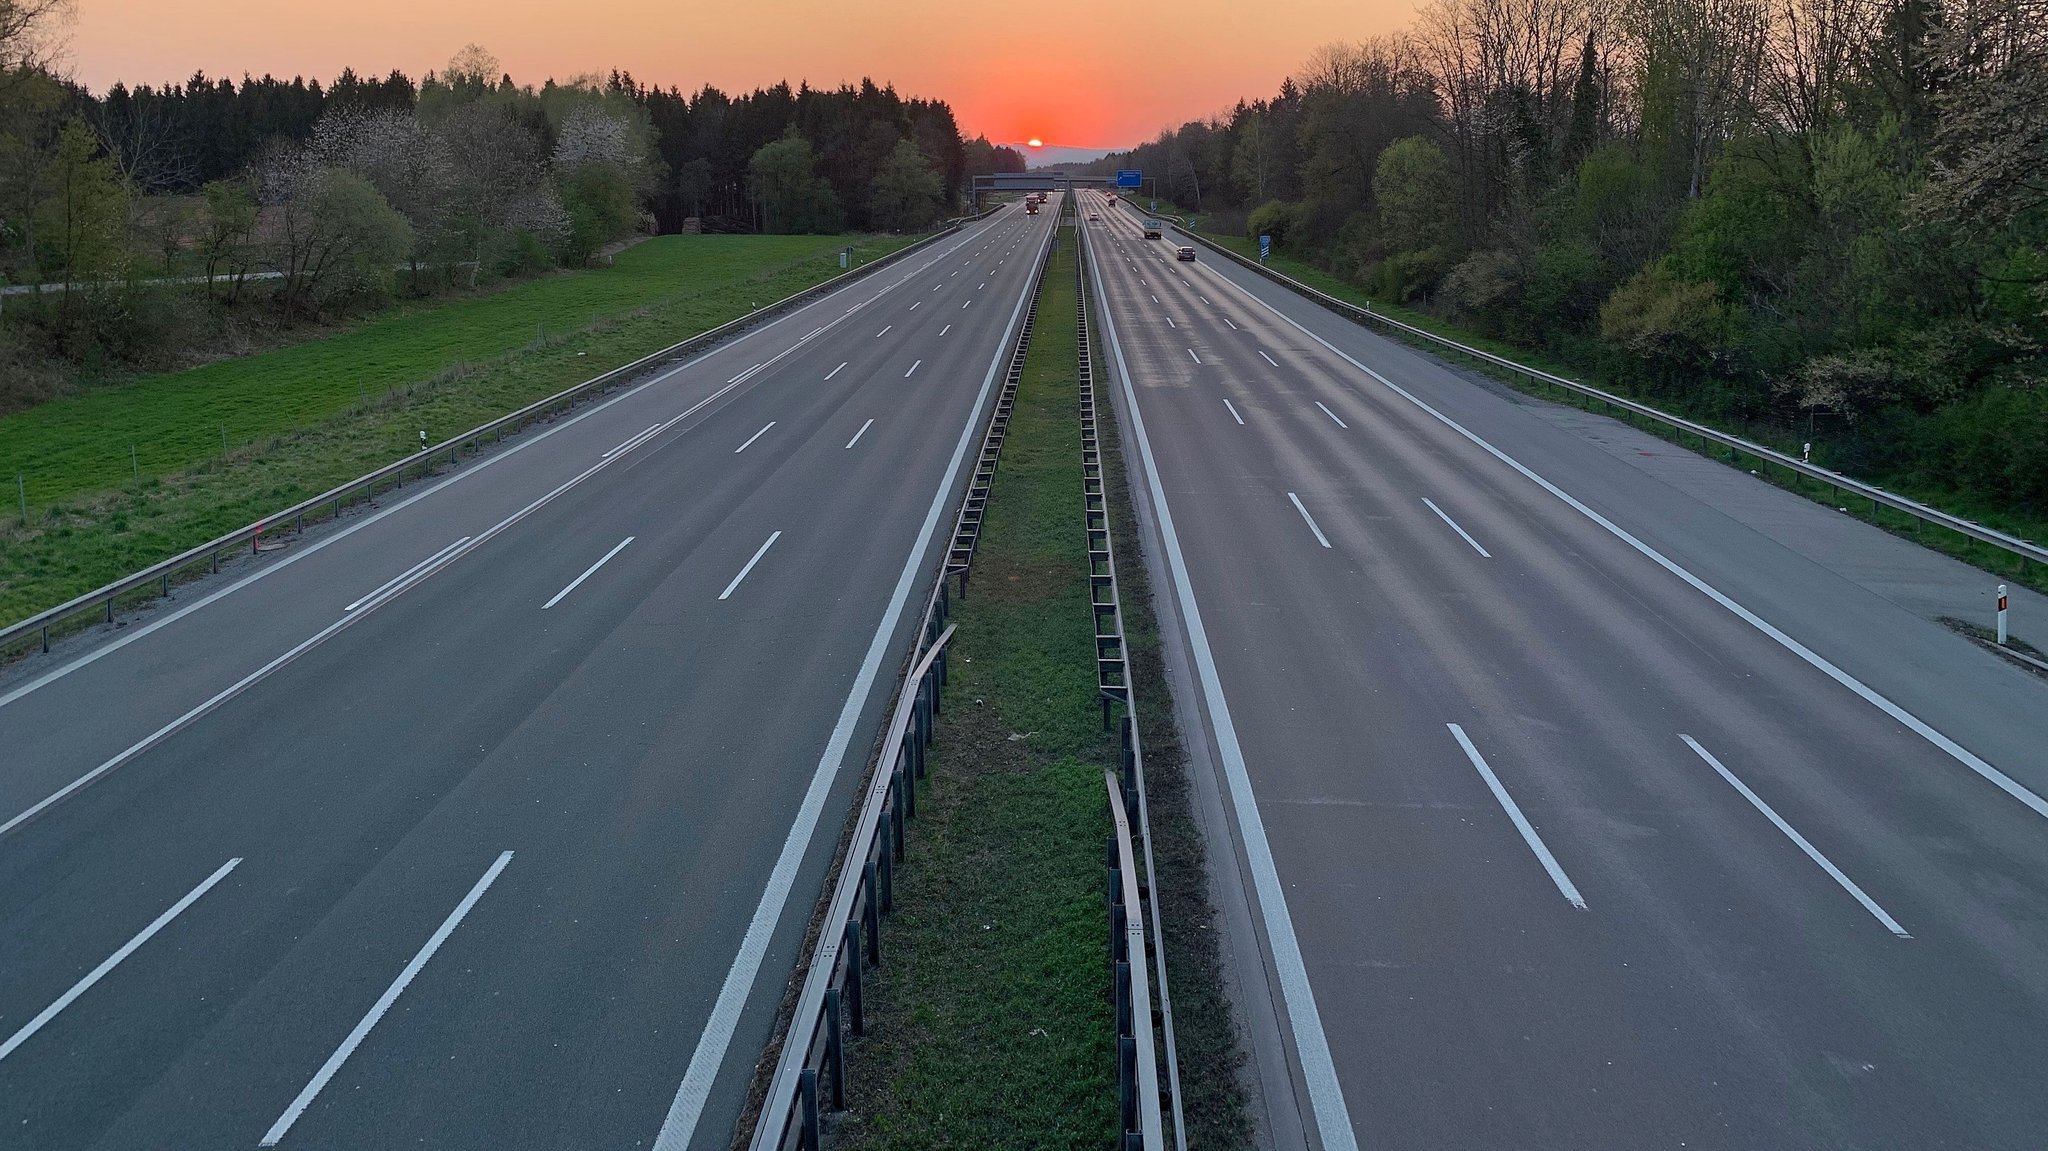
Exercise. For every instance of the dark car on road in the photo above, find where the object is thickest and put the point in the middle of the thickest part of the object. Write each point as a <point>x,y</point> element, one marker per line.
<point>1185,252</point>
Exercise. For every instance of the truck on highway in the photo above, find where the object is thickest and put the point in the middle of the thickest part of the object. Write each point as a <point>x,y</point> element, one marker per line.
<point>1153,228</point>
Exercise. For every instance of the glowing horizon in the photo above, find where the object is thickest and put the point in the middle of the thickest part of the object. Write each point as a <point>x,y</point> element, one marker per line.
<point>1115,84</point>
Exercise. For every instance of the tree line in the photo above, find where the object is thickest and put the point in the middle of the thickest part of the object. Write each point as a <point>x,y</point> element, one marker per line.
<point>1827,218</point>
<point>164,209</point>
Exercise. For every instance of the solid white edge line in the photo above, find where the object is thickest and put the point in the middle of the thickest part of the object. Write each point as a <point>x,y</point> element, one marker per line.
<point>1332,1115</point>
<point>772,537</point>
<point>755,436</point>
<point>1462,534</point>
<point>1233,411</point>
<point>1331,414</point>
<point>110,962</point>
<point>1308,519</point>
<point>863,431</point>
<point>709,1055</point>
<point>1812,852</point>
<point>662,376</point>
<point>836,371</point>
<point>402,576</point>
<point>1872,696</point>
<point>1521,822</point>
<point>383,1004</point>
<point>587,573</point>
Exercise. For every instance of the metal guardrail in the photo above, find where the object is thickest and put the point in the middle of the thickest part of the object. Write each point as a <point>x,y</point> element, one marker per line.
<point>159,576</point>
<point>1137,1071</point>
<point>2024,550</point>
<point>1137,1078</point>
<point>810,1072</point>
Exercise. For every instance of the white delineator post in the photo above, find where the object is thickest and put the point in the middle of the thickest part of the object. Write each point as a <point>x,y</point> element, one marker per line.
<point>2001,615</point>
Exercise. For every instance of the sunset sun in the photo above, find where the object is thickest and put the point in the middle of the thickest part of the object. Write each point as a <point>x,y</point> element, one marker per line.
<point>1035,142</point>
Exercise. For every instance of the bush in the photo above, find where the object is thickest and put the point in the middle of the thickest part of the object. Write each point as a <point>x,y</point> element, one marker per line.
<point>1275,218</point>
<point>1677,327</point>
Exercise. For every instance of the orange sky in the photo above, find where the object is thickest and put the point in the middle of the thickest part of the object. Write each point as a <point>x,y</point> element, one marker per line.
<point>1087,75</point>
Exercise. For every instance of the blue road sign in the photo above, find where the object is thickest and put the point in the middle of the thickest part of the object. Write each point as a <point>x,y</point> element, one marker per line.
<point>1127,178</point>
<point>1265,247</point>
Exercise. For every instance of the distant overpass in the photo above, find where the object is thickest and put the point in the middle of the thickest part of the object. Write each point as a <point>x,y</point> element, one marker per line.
<point>1041,181</point>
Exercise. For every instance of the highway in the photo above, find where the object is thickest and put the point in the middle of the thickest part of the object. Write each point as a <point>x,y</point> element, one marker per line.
<point>493,817</point>
<point>1553,804</point>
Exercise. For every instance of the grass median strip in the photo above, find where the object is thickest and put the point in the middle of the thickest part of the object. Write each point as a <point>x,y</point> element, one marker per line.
<point>990,1024</point>
<point>119,478</point>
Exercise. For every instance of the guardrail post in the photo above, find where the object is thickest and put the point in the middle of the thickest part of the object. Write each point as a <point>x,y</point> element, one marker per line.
<point>807,1103</point>
<point>872,914</point>
<point>886,869</point>
<point>897,814</point>
<point>1126,1085</point>
<point>110,609</point>
<point>835,1051</point>
<point>857,1021</point>
<point>909,771</point>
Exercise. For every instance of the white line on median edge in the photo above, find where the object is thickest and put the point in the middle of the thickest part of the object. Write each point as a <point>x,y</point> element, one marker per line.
<point>1529,836</point>
<point>1308,519</point>
<point>108,964</point>
<point>729,588</point>
<point>1233,412</point>
<point>383,1004</point>
<point>1331,414</point>
<point>402,576</point>
<point>755,436</point>
<point>1462,534</point>
<point>587,573</point>
<point>1818,662</point>
<point>695,1089</point>
<point>628,443</point>
<point>1312,1045</point>
<point>863,431</point>
<point>1813,853</point>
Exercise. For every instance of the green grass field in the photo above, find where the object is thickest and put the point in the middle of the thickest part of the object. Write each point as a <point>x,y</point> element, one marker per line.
<point>303,419</point>
<point>990,1022</point>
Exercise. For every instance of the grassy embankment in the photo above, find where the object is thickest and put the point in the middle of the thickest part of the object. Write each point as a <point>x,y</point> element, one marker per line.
<point>1991,559</point>
<point>991,1025</point>
<point>302,419</point>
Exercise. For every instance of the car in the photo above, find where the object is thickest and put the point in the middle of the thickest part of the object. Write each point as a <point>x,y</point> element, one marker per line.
<point>1185,253</point>
<point>1095,215</point>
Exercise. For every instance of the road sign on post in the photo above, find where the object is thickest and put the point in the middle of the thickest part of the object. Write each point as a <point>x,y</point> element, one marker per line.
<point>1129,178</point>
<point>1265,246</point>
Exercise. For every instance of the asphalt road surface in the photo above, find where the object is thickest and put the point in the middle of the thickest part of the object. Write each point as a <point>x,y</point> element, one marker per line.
<point>493,817</point>
<point>1556,805</point>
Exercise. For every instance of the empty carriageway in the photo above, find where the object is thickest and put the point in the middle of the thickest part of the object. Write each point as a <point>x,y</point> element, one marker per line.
<point>493,819</point>
<point>1559,827</point>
